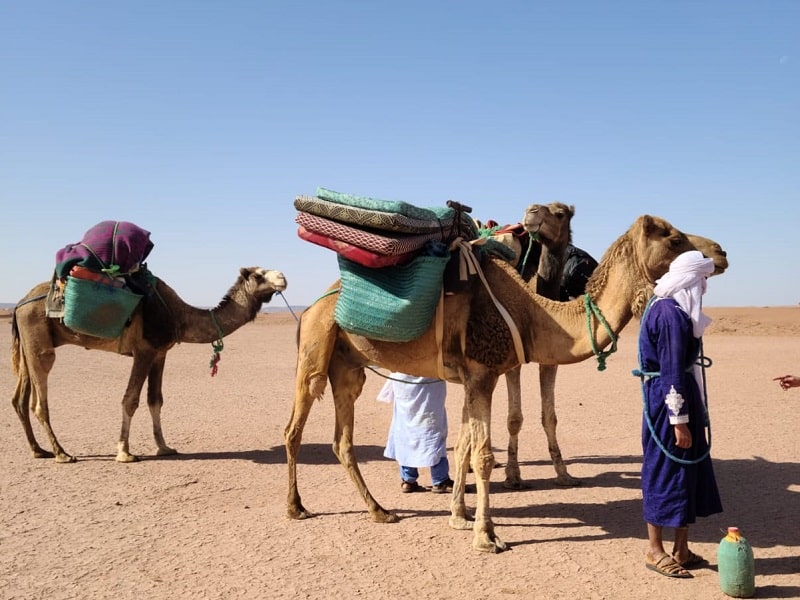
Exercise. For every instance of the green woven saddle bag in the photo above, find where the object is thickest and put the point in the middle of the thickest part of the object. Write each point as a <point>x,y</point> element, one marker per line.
<point>390,304</point>
<point>96,308</point>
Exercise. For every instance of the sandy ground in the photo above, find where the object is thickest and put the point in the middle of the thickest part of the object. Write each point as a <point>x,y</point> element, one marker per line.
<point>211,522</point>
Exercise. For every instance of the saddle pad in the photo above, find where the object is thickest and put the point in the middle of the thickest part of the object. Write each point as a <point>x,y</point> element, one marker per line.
<point>390,206</point>
<point>369,240</point>
<point>393,304</point>
<point>374,219</point>
<point>354,253</point>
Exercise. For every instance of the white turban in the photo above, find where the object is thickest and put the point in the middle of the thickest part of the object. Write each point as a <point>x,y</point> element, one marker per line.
<point>685,282</point>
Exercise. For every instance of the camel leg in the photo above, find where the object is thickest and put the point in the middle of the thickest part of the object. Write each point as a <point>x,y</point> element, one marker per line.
<point>315,346</point>
<point>547,386</point>
<point>38,382</point>
<point>346,386</point>
<point>459,519</point>
<point>514,422</point>
<point>130,402</point>
<point>21,403</point>
<point>155,400</point>
<point>478,398</point>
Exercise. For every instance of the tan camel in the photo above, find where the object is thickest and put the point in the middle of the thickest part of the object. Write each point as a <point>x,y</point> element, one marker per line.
<point>477,348</point>
<point>546,282</point>
<point>160,321</point>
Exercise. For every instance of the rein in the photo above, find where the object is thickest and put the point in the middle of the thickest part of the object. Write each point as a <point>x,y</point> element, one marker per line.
<point>217,345</point>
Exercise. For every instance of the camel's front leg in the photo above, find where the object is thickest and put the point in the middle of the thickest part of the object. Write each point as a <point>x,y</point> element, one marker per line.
<point>155,400</point>
<point>346,385</point>
<point>130,402</point>
<point>459,519</point>
<point>547,387</point>
<point>514,422</point>
<point>478,399</point>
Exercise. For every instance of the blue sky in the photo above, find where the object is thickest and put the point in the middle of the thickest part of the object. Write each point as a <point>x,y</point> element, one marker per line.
<point>201,121</point>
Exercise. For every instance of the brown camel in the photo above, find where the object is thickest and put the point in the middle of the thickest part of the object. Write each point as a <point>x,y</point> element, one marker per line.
<point>160,321</point>
<point>546,280</point>
<point>477,348</point>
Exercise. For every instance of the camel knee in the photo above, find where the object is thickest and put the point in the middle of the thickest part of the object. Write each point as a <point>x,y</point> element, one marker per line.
<point>514,424</point>
<point>316,385</point>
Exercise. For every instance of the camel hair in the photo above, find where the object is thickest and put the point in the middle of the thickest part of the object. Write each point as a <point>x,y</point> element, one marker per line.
<point>545,278</point>
<point>160,321</point>
<point>477,347</point>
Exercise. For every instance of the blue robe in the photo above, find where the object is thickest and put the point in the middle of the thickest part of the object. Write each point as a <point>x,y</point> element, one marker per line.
<point>674,494</point>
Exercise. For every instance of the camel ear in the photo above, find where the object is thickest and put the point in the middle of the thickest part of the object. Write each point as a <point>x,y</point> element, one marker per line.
<point>245,272</point>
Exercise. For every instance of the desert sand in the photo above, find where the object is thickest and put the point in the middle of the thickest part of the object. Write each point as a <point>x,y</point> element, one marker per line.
<point>211,522</point>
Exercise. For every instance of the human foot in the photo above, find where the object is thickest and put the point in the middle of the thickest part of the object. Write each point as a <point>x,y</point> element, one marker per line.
<point>667,566</point>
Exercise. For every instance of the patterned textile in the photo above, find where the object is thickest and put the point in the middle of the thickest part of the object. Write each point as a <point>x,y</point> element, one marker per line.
<point>104,246</point>
<point>390,206</point>
<point>354,253</point>
<point>393,304</point>
<point>369,240</point>
<point>373,219</point>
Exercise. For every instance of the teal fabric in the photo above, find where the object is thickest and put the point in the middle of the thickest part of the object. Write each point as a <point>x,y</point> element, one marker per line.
<point>390,206</point>
<point>392,304</point>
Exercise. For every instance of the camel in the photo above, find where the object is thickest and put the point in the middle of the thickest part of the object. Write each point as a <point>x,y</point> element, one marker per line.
<point>546,280</point>
<point>477,347</point>
<point>160,321</point>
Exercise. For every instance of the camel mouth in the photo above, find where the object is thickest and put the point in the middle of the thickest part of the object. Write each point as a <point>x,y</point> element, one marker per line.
<point>534,218</point>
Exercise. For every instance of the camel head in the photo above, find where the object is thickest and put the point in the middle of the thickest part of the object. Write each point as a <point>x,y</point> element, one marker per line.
<point>550,222</point>
<point>648,247</point>
<point>712,250</point>
<point>260,284</point>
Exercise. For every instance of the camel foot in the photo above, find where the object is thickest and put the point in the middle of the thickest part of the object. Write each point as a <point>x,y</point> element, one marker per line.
<point>567,480</point>
<point>125,457</point>
<point>298,515</point>
<point>166,451</point>
<point>63,457</point>
<point>488,543</point>
<point>383,516</point>
<point>513,483</point>
<point>42,453</point>
<point>458,522</point>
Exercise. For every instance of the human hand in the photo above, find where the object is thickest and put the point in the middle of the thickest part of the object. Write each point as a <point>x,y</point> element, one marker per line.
<point>788,381</point>
<point>683,437</point>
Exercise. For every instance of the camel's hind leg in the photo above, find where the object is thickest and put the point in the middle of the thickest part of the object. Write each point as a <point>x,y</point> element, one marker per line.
<point>316,335</point>
<point>155,400</point>
<point>21,403</point>
<point>38,395</point>
<point>547,386</point>
<point>346,385</point>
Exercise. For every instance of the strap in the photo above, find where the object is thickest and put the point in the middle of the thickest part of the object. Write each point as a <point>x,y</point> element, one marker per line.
<point>440,335</point>
<point>469,262</point>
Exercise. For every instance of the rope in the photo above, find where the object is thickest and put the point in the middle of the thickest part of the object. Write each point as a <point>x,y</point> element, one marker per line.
<point>592,310</point>
<point>287,305</point>
<point>217,345</point>
<point>703,362</point>
<point>532,239</point>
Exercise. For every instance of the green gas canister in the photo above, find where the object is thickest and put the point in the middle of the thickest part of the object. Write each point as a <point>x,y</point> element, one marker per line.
<point>736,565</point>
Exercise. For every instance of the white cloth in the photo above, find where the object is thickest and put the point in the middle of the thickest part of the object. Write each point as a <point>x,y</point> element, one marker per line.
<point>685,282</point>
<point>418,433</point>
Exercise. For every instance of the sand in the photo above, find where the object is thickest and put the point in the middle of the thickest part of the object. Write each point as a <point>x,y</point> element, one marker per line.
<point>211,522</point>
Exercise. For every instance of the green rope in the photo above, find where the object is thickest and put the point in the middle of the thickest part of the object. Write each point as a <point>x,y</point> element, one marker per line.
<point>592,310</point>
<point>217,345</point>
<point>532,239</point>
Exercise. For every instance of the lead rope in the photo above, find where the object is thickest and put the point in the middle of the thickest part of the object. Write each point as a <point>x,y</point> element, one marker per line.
<point>217,345</point>
<point>592,310</point>
<point>703,362</point>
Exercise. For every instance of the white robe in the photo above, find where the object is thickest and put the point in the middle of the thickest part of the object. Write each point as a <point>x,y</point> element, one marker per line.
<point>418,433</point>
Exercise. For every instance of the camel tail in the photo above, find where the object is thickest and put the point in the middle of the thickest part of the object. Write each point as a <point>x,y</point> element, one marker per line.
<point>16,356</point>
